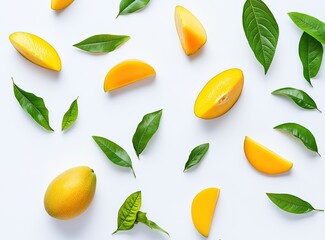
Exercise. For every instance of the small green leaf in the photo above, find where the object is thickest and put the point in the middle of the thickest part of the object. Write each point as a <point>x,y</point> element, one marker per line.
<point>102,43</point>
<point>127,214</point>
<point>70,116</point>
<point>34,106</point>
<point>301,98</point>
<point>301,133</point>
<point>196,156</point>
<point>311,25</point>
<point>261,30</point>
<point>114,152</point>
<point>130,6</point>
<point>142,217</point>
<point>145,131</point>
<point>311,55</point>
<point>291,204</point>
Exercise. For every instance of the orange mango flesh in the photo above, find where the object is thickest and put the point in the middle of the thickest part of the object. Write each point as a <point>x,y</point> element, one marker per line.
<point>127,72</point>
<point>265,160</point>
<point>190,31</point>
<point>36,50</point>
<point>203,207</point>
<point>220,94</point>
<point>60,4</point>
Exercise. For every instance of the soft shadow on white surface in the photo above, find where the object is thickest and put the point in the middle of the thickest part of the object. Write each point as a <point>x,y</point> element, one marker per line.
<point>75,227</point>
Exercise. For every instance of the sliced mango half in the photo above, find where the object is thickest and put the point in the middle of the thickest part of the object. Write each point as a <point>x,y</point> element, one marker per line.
<point>265,160</point>
<point>203,207</point>
<point>36,50</point>
<point>190,31</point>
<point>127,72</point>
<point>220,94</point>
<point>60,4</point>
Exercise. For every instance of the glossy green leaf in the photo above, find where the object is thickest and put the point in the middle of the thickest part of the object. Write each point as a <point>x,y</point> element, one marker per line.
<point>102,43</point>
<point>70,116</point>
<point>311,25</point>
<point>261,30</point>
<point>291,204</point>
<point>311,55</point>
<point>34,106</point>
<point>145,131</point>
<point>301,98</point>
<point>114,153</point>
<point>127,214</point>
<point>130,6</point>
<point>301,133</point>
<point>196,156</point>
<point>142,217</point>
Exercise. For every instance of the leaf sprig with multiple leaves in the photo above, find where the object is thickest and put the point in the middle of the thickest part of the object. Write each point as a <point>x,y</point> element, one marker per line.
<point>129,214</point>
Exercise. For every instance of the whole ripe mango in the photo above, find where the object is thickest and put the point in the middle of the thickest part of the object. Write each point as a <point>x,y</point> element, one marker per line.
<point>70,193</point>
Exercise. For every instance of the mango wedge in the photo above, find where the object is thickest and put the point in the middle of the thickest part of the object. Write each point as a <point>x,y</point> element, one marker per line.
<point>36,50</point>
<point>264,160</point>
<point>127,72</point>
<point>190,31</point>
<point>220,94</point>
<point>60,4</point>
<point>203,207</point>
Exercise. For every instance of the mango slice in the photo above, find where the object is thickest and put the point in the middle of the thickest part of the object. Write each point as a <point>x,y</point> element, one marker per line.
<point>60,4</point>
<point>219,94</point>
<point>127,72</point>
<point>264,160</point>
<point>190,31</point>
<point>203,207</point>
<point>36,50</point>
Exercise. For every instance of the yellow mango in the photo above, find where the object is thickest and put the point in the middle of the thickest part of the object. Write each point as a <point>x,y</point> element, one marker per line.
<point>60,4</point>
<point>265,160</point>
<point>70,193</point>
<point>203,207</point>
<point>190,31</point>
<point>127,72</point>
<point>219,94</point>
<point>36,50</point>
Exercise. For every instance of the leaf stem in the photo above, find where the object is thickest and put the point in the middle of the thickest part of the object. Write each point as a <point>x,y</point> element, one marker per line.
<point>318,110</point>
<point>319,210</point>
<point>133,172</point>
<point>319,154</point>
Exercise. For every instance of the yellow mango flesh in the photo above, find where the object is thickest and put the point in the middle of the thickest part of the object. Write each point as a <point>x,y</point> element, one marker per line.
<point>203,207</point>
<point>36,50</point>
<point>70,193</point>
<point>265,160</point>
<point>190,31</point>
<point>60,4</point>
<point>127,72</point>
<point>219,94</point>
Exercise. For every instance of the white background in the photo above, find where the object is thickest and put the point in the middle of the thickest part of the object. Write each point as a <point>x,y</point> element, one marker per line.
<point>31,157</point>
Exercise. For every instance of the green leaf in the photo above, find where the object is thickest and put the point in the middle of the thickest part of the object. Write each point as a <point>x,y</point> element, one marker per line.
<point>70,116</point>
<point>311,25</point>
<point>127,214</point>
<point>311,55</point>
<point>301,133</point>
<point>291,204</point>
<point>130,6</point>
<point>102,43</point>
<point>301,98</point>
<point>142,217</point>
<point>145,131</point>
<point>34,106</point>
<point>196,156</point>
<point>261,30</point>
<point>114,152</point>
